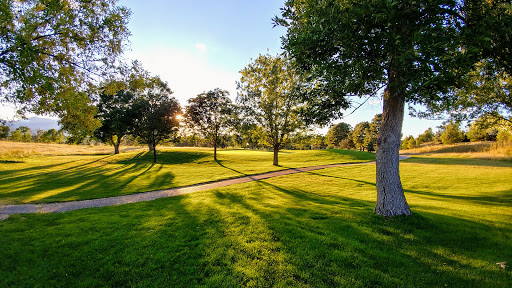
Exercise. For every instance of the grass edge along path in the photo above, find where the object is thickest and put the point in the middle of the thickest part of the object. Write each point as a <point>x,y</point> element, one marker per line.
<point>6,210</point>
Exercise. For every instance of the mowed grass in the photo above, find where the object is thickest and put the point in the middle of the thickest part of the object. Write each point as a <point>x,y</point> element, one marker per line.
<point>313,229</point>
<point>56,178</point>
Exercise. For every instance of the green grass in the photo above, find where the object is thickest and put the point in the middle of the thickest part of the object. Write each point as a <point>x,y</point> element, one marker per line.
<point>43,178</point>
<point>312,229</point>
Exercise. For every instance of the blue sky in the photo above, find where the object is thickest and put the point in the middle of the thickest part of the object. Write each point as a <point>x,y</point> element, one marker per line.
<point>199,45</point>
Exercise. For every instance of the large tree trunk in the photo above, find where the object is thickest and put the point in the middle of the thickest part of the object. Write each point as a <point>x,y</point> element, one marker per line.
<point>116,145</point>
<point>390,194</point>
<point>276,154</point>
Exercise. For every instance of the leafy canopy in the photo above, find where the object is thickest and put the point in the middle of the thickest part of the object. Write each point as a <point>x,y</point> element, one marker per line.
<point>210,113</point>
<point>156,115</point>
<point>269,92</point>
<point>52,49</point>
<point>419,49</point>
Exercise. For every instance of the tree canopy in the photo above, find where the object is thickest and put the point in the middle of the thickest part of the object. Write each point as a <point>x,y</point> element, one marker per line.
<point>413,51</point>
<point>338,133</point>
<point>116,113</point>
<point>156,116</point>
<point>270,94</point>
<point>51,50</point>
<point>210,114</point>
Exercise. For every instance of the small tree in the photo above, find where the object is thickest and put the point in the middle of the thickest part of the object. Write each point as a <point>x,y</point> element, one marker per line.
<point>337,133</point>
<point>408,143</point>
<point>359,135</point>
<point>270,94</point>
<point>115,111</point>
<point>318,142</point>
<point>4,131</point>
<point>370,146</point>
<point>50,136</point>
<point>210,114</point>
<point>16,135</point>
<point>484,129</point>
<point>452,133</point>
<point>156,116</point>
<point>372,133</point>
<point>427,136</point>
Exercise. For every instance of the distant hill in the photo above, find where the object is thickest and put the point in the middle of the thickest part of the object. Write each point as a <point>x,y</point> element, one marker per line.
<point>35,123</point>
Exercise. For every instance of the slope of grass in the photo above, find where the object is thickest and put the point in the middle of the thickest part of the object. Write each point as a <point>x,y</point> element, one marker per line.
<point>47,178</point>
<point>482,150</point>
<point>312,229</point>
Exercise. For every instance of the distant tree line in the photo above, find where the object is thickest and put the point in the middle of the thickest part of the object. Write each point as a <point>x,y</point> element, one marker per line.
<point>485,128</point>
<point>24,134</point>
<point>362,137</point>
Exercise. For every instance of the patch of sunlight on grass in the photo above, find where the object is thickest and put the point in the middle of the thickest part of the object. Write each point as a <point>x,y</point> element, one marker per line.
<point>134,172</point>
<point>54,192</point>
<point>303,230</point>
<point>446,253</point>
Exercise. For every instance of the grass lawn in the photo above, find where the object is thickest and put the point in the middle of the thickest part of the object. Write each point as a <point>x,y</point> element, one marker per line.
<point>312,229</point>
<point>40,178</point>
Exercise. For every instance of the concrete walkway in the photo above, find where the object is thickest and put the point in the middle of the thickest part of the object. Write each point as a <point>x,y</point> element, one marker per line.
<point>6,210</point>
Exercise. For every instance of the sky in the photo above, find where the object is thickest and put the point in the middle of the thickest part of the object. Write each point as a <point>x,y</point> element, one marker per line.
<point>200,45</point>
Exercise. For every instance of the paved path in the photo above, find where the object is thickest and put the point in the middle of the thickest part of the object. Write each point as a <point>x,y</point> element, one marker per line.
<point>6,210</point>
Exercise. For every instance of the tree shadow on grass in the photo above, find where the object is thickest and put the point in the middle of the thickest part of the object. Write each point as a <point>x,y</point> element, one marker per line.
<point>458,161</point>
<point>220,162</point>
<point>342,178</point>
<point>499,198</point>
<point>166,157</point>
<point>337,241</point>
<point>359,155</point>
<point>257,235</point>
<point>85,182</point>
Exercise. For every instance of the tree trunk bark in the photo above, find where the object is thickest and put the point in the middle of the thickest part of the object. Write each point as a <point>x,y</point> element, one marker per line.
<point>215,149</point>
<point>390,194</point>
<point>154,153</point>
<point>116,145</point>
<point>151,147</point>
<point>276,154</point>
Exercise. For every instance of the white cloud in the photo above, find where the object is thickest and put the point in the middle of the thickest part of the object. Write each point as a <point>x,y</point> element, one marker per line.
<point>201,47</point>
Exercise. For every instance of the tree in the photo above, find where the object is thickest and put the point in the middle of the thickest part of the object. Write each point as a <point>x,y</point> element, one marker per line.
<point>372,133</point>
<point>427,136</point>
<point>16,135</point>
<point>269,93</point>
<point>50,136</point>
<point>415,51</point>
<point>359,135</point>
<point>210,113</point>
<point>4,130</point>
<point>483,129</point>
<point>78,121</point>
<point>318,142</point>
<point>337,133</point>
<point>156,116</point>
<point>50,50</point>
<point>485,93</point>
<point>408,143</point>
<point>452,133</point>
<point>300,140</point>
<point>116,113</point>
<point>21,134</point>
